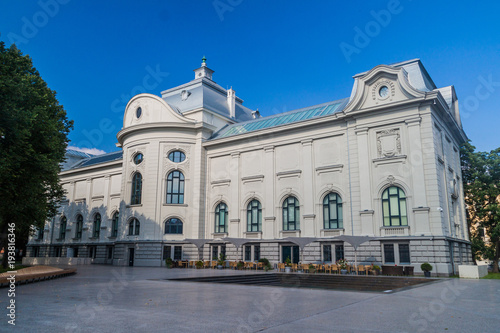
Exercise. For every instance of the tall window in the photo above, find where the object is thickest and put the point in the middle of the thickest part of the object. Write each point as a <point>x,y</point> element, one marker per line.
<point>175,188</point>
<point>248,253</point>
<point>256,252</point>
<point>114,225</point>
<point>339,252</point>
<point>173,226</point>
<point>62,229</point>
<point>134,227</point>
<point>79,226</point>
<point>327,253</point>
<point>291,214</point>
<point>254,216</point>
<point>97,225</point>
<point>221,218</point>
<point>404,253</point>
<point>394,207</point>
<point>332,212</point>
<point>389,253</point>
<point>40,233</point>
<point>136,189</point>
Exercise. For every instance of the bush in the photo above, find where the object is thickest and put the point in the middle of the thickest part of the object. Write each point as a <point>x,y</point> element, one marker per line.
<point>267,264</point>
<point>199,264</point>
<point>376,267</point>
<point>168,262</point>
<point>426,267</point>
<point>240,264</point>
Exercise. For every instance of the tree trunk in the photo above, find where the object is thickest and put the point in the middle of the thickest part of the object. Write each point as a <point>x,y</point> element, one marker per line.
<point>496,257</point>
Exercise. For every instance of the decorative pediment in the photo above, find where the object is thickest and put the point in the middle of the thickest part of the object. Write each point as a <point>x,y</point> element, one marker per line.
<point>147,108</point>
<point>381,86</point>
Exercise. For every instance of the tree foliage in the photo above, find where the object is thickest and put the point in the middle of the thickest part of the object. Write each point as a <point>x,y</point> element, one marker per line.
<point>33,140</point>
<point>481,178</point>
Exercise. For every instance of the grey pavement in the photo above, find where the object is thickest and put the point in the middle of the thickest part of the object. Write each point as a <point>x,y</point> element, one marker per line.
<point>139,299</point>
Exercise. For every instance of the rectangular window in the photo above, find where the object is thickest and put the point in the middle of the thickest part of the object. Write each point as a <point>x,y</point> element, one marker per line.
<point>57,251</point>
<point>389,253</point>
<point>248,253</point>
<point>177,252</point>
<point>404,253</point>
<point>339,252</point>
<point>35,251</point>
<point>256,252</point>
<point>167,252</point>
<point>92,252</point>
<point>327,253</point>
<point>110,252</point>
<point>215,252</point>
<point>223,249</point>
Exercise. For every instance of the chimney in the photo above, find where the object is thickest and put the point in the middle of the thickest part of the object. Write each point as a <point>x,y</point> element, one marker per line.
<point>231,102</point>
<point>256,114</point>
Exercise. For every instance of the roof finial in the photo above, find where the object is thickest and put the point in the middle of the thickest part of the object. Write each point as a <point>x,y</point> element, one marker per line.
<point>203,61</point>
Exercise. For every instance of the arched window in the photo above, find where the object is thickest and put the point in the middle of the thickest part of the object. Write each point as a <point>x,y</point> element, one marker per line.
<point>136,189</point>
<point>254,216</point>
<point>134,227</point>
<point>173,226</point>
<point>79,226</point>
<point>291,214</point>
<point>114,225</point>
<point>394,207</point>
<point>62,229</point>
<point>332,211</point>
<point>97,225</point>
<point>221,218</point>
<point>175,187</point>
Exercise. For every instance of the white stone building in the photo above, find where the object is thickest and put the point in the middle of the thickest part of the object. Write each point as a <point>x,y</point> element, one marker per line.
<point>197,167</point>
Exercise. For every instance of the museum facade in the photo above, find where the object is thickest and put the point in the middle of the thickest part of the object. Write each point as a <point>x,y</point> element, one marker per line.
<point>199,174</point>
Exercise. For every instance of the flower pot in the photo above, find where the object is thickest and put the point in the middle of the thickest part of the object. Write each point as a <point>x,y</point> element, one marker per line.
<point>219,266</point>
<point>287,269</point>
<point>427,274</point>
<point>343,271</point>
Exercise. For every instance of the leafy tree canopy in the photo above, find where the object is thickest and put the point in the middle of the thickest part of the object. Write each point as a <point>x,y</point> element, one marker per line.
<point>481,178</point>
<point>33,140</point>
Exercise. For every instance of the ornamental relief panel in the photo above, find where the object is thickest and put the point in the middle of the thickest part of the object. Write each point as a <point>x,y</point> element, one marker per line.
<point>168,164</point>
<point>388,143</point>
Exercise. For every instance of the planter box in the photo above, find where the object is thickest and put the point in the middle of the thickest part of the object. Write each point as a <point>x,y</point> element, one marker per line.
<point>472,271</point>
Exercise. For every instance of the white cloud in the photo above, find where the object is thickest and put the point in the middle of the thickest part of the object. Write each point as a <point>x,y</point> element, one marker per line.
<point>92,151</point>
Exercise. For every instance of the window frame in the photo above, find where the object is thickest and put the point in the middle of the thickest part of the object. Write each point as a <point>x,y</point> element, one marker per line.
<point>254,224</point>
<point>79,226</point>
<point>328,221</point>
<point>96,232</point>
<point>388,207</point>
<point>114,224</point>
<point>172,156</point>
<point>179,226</point>
<point>221,214</point>
<point>134,227</point>
<point>136,195</point>
<point>62,228</point>
<point>180,188</point>
<point>289,209</point>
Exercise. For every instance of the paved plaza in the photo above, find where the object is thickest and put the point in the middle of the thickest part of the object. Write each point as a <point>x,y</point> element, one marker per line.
<point>140,299</point>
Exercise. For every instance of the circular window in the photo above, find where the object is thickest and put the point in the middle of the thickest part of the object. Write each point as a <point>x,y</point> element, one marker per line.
<point>138,112</point>
<point>177,156</point>
<point>383,92</point>
<point>138,158</point>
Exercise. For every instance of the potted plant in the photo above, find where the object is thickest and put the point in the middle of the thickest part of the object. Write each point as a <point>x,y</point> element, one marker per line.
<point>288,265</point>
<point>169,262</point>
<point>240,264</point>
<point>312,269</point>
<point>343,265</point>
<point>199,264</point>
<point>426,268</point>
<point>376,269</point>
<point>267,264</point>
<point>221,262</point>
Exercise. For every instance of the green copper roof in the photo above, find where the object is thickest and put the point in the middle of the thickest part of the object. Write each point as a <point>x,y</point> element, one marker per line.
<point>282,118</point>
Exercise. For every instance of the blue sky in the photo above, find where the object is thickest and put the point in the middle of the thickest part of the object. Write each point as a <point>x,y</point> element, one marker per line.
<point>277,55</point>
